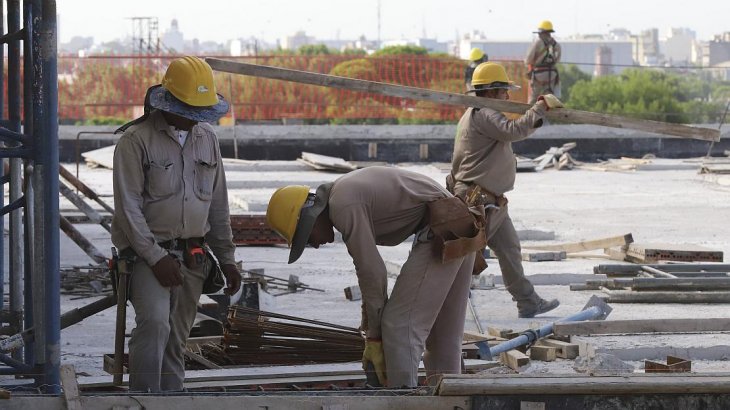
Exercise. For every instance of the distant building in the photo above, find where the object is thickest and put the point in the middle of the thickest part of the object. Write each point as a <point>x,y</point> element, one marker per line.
<point>719,49</point>
<point>647,48</point>
<point>172,38</point>
<point>77,45</point>
<point>297,40</point>
<point>677,47</point>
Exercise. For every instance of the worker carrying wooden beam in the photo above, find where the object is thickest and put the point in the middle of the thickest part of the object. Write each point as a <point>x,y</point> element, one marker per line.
<point>483,169</point>
<point>384,206</point>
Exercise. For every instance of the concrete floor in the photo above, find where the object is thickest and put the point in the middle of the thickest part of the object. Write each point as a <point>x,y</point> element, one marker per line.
<point>668,203</point>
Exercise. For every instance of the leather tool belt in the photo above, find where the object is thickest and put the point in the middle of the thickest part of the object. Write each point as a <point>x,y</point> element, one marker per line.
<point>458,230</point>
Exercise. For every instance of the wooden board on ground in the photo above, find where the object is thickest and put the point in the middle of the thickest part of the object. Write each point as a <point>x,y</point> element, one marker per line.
<point>325,163</point>
<point>627,269</point>
<point>542,256</point>
<point>651,253</point>
<point>102,157</point>
<point>667,297</point>
<point>505,384</point>
<point>588,245</point>
<point>70,387</point>
<point>559,114</point>
<point>564,350</point>
<point>595,327</point>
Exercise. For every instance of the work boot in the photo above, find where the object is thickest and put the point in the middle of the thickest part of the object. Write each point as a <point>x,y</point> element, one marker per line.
<point>543,306</point>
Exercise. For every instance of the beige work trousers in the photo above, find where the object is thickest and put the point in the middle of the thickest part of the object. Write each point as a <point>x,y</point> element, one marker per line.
<point>425,315</point>
<point>502,239</point>
<point>164,317</point>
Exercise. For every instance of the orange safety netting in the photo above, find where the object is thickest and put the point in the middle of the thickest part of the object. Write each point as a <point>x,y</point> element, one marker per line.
<point>114,86</point>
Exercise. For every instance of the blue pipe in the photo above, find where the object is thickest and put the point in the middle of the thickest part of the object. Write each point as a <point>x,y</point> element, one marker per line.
<point>531,336</point>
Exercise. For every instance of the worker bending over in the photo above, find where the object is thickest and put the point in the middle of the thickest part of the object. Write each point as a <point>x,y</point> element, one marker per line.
<point>384,206</point>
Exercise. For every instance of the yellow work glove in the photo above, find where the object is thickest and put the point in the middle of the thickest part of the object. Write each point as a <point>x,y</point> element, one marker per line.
<point>373,353</point>
<point>551,101</point>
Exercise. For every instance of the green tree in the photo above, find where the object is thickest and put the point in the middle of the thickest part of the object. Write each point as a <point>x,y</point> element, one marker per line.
<point>315,49</point>
<point>399,50</point>
<point>569,75</point>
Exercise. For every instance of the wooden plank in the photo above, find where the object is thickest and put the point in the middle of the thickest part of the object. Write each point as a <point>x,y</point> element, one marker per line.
<point>498,332</point>
<point>680,284</point>
<point>514,359</point>
<point>609,269</point>
<point>564,350</point>
<point>667,297</point>
<point>470,337</point>
<point>633,326</point>
<point>468,385</point>
<point>559,114</point>
<point>673,365</point>
<point>542,256</point>
<point>588,245</point>
<point>70,387</point>
<point>543,353</point>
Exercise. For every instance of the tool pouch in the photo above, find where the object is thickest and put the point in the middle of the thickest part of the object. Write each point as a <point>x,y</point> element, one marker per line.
<point>214,282</point>
<point>458,231</point>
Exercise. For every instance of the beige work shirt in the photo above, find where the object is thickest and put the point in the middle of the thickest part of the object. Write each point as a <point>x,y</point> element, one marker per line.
<point>483,147</point>
<point>536,55</point>
<point>164,191</point>
<point>379,206</point>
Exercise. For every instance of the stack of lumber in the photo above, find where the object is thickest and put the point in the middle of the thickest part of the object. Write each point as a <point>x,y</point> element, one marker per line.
<point>557,157</point>
<point>662,283</point>
<point>255,337</point>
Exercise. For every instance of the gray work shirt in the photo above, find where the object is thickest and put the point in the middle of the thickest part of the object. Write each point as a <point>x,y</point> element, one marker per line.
<point>378,206</point>
<point>164,191</point>
<point>483,147</point>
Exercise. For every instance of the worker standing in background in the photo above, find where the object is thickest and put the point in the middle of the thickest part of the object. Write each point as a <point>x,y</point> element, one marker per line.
<point>484,168</point>
<point>171,203</point>
<point>541,62</point>
<point>426,310</point>
<point>476,57</point>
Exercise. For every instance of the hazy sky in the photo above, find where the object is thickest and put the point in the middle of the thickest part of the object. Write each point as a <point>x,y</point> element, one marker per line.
<point>221,20</point>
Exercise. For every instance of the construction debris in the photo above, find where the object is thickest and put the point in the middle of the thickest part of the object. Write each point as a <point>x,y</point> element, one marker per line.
<point>252,229</point>
<point>268,282</point>
<point>86,281</point>
<point>353,293</point>
<point>601,364</point>
<point>652,253</point>
<point>258,337</point>
<point>325,163</point>
<point>557,157</point>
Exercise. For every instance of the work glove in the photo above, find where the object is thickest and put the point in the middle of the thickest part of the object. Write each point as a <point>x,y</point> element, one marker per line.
<point>233,279</point>
<point>550,101</point>
<point>167,271</point>
<point>373,353</point>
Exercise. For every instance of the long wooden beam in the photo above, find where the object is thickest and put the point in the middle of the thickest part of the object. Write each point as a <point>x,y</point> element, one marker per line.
<point>588,245</point>
<point>441,97</point>
<point>596,327</point>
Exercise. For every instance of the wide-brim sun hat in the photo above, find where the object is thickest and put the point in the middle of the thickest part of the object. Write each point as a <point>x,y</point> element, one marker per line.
<point>306,221</point>
<point>163,100</point>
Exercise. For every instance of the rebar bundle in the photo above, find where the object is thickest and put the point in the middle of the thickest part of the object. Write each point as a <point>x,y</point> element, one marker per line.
<point>257,337</point>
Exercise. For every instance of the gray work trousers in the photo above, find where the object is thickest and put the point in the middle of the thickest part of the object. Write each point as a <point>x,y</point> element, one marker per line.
<point>164,317</point>
<point>425,315</point>
<point>502,239</point>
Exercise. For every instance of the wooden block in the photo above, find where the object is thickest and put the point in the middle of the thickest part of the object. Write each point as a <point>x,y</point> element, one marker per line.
<point>514,359</point>
<point>4,394</point>
<point>70,387</point>
<point>542,256</point>
<point>543,353</point>
<point>564,350</point>
<point>495,331</point>
<point>471,337</point>
<point>353,293</point>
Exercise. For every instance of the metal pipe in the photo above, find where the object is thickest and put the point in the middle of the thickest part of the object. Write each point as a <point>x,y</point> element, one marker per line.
<point>90,212</point>
<point>28,225</point>
<point>84,189</point>
<point>15,246</point>
<point>45,101</point>
<point>2,166</point>
<point>80,240</point>
<point>596,308</point>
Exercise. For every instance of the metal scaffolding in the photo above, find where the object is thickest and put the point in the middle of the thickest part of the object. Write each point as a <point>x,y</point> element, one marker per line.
<point>29,141</point>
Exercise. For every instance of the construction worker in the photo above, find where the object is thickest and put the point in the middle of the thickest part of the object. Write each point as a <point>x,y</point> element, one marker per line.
<point>483,169</point>
<point>384,206</point>
<point>541,62</point>
<point>476,57</point>
<point>170,202</point>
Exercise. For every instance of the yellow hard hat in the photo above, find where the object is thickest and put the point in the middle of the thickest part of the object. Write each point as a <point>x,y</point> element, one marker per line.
<point>476,54</point>
<point>190,80</point>
<point>490,76</point>
<point>546,25</point>
<point>284,209</point>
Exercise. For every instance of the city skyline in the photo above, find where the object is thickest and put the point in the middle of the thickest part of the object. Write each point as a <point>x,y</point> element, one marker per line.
<point>326,19</point>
